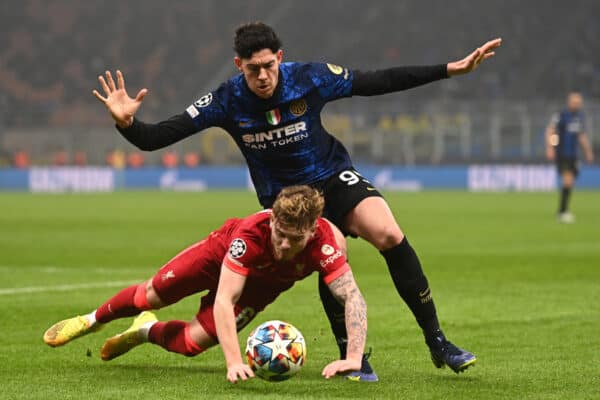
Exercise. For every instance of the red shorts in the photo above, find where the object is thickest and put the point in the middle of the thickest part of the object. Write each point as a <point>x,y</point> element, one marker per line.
<point>197,269</point>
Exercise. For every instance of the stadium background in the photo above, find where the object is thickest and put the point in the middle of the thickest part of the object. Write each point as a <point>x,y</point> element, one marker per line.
<point>52,52</point>
<point>510,283</point>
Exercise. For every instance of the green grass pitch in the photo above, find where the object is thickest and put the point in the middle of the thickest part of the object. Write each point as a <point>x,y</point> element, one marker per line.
<point>510,283</point>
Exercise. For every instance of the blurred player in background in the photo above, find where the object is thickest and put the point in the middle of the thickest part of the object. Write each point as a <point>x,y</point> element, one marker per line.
<point>244,265</point>
<point>272,110</point>
<point>565,133</point>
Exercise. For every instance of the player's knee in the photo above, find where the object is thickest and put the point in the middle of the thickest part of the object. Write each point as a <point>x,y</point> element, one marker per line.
<point>387,237</point>
<point>146,297</point>
<point>191,347</point>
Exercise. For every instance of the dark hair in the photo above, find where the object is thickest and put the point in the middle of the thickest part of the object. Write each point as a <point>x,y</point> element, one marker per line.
<point>253,37</point>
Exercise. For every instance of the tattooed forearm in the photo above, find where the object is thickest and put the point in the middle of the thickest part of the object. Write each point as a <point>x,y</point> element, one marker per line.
<point>346,292</point>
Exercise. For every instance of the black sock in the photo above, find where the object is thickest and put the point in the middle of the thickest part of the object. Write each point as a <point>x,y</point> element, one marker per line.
<point>412,285</point>
<point>565,193</point>
<point>336,315</point>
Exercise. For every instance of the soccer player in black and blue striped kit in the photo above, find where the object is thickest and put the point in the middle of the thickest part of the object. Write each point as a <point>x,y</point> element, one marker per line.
<point>564,135</point>
<point>272,111</point>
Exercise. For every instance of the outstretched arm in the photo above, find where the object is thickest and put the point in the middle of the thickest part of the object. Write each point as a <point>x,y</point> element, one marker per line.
<point>229,290</point>
<point>473,60</point>
<point>122,108</point>
<point>346,292</point>
<point>371,83</point>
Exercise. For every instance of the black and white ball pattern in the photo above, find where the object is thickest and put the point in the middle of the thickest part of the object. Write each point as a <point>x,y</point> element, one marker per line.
<point>237,248</point>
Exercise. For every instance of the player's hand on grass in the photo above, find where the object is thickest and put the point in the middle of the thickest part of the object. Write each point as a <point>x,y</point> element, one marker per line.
<point>340,367</point>
<point>239,371</point>
<point>472,61</point>
<point>119,104</point>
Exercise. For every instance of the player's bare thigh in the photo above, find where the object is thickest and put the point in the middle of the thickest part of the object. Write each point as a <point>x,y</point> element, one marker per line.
<point>200,336</point>
<point>197,332</point>
<point>568,178</point>
<point>152,296</point>
<point>373,221</point>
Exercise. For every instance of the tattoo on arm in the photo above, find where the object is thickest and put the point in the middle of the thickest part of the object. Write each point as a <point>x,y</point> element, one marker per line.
<point>344,289</point>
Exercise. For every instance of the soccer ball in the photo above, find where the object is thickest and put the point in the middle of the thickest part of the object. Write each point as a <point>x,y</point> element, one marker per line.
<point>276,351</point>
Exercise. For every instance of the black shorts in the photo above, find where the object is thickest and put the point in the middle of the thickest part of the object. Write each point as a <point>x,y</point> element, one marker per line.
<point>567,165</point>
<point>343,191</point>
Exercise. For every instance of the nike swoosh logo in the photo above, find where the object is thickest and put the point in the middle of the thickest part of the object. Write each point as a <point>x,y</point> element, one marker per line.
<point>371,189</point>
<point>425,292</point>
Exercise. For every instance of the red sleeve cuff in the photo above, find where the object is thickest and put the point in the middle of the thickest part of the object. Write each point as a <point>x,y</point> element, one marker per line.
<point>333,275</point>
<point>235,266</point>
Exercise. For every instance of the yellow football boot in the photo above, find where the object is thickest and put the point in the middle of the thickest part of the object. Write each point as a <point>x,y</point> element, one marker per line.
<point>127,340</point>
<point>66,330</point>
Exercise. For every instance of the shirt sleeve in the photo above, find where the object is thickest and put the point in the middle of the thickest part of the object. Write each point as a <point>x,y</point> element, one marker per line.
<point>211,109</point>
<point>336,273</point>
<point>150,137</point>
<point>242,254</point>
<point>332,81</point>
<point>329,257</point>
<point>204,113</point>
<point>372,83</point>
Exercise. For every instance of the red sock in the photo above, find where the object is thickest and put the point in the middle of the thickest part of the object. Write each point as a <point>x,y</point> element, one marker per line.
<point>119,306</point>
<point>174,336</point>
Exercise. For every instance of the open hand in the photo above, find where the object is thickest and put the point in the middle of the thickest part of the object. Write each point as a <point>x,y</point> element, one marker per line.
<point>241,371</point>
<point>121,107</point>
<point>340,367</point>
<point>472,61</point>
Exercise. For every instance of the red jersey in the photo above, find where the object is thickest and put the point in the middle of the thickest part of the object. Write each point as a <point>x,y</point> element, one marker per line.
<point>251,253</point>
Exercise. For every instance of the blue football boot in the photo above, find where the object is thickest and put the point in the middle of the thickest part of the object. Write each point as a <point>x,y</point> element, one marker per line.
<point>366,373</point>
<point>443,352</point>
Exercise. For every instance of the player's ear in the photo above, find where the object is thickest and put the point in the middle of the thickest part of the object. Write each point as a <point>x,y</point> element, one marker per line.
<point>279,55</point>
<point>238,63</point>
<point>314,228</point>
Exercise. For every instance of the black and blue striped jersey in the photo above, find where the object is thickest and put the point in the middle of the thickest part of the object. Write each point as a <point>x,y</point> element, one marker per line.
<point>569,125</point>
<point>282,138</point>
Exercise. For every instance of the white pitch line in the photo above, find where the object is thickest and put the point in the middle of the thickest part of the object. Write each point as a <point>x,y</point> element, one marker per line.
<point>64,288</point>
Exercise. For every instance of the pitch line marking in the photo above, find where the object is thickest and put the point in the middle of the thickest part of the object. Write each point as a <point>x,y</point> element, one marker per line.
<point>64,288</point>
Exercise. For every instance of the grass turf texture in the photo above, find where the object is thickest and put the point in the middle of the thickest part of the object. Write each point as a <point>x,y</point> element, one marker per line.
<point>510,284</point>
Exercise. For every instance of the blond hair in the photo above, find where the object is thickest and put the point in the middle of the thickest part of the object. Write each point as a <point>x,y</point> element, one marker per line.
<point>298,206</point>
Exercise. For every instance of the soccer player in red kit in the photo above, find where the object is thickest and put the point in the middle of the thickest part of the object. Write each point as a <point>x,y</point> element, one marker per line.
<point>244,265</point>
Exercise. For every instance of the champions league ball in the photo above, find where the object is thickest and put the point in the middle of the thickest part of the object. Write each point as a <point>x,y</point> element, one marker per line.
<point>276,351</point>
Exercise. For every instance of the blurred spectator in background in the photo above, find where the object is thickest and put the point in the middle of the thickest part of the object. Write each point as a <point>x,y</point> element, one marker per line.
<point>135,159</point>
<point>21,159</point>
<point>170,159</point>
<point>116,159</point>
<point>565,133</point>
<point>191,159</point>
<point>80,158</point>
<point>60,158</point>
